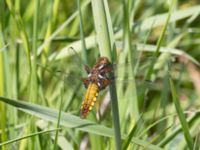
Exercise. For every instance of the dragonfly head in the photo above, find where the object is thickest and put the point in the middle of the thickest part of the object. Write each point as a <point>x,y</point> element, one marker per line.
<point>102,62</point>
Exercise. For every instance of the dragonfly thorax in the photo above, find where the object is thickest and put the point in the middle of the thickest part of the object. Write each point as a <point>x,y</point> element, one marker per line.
<point>98,74</point>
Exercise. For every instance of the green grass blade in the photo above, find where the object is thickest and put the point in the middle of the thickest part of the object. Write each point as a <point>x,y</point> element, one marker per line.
<point>160,19</point>
<point>107,48</point>
<point>145,24</point>
<point>132,92</point>
<point>158,45</point>
<point>133,131</point>
<point>2,92</point>
<point>54,35</point>
<point>67,120</point>
<point>58,122</point>
<point>70,121</point>
<point>177,130</point>
<point>28,136</point>
<point>181,116</point>
<point>59,29</point>
<point>84,52</point>
<point>21,29</point>
<point>51,24</point>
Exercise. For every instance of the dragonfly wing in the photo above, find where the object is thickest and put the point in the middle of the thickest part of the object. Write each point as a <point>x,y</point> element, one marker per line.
<point>139,65</point>
<point>85,82</point>
<point>105,83</point>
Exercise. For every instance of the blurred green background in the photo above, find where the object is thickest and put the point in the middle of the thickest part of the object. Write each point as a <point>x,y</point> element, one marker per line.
<point>154,47</point>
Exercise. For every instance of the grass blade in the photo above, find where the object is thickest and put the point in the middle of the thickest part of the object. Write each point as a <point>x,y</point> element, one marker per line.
<point>107,48</point>
<point>70,121</point>
<point>181,116</point>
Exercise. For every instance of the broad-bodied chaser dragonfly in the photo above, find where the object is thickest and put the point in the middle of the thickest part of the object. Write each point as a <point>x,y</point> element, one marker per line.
<point>97,79</point>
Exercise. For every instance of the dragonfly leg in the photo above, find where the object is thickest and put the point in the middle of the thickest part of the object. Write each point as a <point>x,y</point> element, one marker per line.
<point>87,69</point>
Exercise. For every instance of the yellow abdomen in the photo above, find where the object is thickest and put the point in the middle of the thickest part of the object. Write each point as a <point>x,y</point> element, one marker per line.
<point>89,100</point>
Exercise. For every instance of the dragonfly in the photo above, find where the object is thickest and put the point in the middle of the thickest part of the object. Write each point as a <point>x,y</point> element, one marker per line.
<point>97,80</point>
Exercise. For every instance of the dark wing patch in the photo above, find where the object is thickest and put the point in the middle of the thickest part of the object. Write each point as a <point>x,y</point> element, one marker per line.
<point>85,82</point>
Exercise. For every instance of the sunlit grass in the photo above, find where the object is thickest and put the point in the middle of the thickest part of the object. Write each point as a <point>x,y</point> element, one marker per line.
<point>44,46</point>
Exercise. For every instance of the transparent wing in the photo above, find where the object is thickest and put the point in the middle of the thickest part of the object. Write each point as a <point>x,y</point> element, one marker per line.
<point>123,76</point>
<point>69,72</point>
<point>140,66</point>
<point>56,80</point>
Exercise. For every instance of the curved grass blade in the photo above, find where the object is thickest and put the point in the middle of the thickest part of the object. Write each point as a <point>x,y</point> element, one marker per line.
<point>182,119</point>
<point>70,121</point>
<point>178,129</point>
<point>28,136</point>
<point>157,20</point>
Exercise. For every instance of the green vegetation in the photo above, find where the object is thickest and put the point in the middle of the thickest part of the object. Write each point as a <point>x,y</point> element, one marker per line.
<point>154,48</point>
